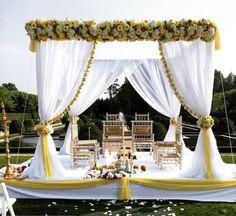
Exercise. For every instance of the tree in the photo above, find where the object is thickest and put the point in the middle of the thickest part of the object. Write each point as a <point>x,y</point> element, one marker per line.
<point>9,86</point>
<point>29,125</point>
<point>113,89</point>
<point>6,97</point>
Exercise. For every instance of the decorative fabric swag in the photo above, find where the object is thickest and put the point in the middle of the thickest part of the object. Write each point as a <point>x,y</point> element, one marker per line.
<point>123,30</point>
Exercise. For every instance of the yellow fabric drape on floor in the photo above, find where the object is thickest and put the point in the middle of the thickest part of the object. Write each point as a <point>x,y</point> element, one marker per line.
<point>124,189</point>
<point>125,192</point>
<point>62,184</point>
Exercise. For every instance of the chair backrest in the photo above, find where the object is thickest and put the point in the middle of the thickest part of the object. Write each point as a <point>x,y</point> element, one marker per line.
<point>141,117</point>
<point>113,128</point>
<point>142,124</point>
<point>112,117</point>
<point>6,204</point>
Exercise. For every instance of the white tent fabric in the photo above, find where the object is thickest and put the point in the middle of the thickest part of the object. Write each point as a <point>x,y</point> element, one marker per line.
<point>191,65</point>
<point>60,66</point>
<point>103,73</point>
<point>149,80</point>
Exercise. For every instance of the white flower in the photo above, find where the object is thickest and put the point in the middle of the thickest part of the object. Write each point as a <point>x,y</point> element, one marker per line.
<point>153,24</point>
<point>59,28</point>
<point>71,34</point>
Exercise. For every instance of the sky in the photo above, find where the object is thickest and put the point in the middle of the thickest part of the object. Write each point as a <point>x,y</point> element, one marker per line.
<point>17,63</point>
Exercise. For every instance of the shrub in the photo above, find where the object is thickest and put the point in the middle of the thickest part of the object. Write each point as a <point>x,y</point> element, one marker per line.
<point>85,119</point>
<point>159,130</point>
<point>95,132</point>
<point>99,123</point>
<point>15,126</point>
<point>29,125</point>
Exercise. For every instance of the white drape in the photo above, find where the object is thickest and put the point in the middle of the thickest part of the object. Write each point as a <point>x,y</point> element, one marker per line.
<point>103,73</point>
<point>60,66</point>
<point>149,80</point>
<point>191,65</point>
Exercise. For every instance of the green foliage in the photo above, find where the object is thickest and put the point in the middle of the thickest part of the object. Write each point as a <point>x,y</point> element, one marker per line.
<point>9,86</point>
<point>29,125</point>
<point>17,101</point>
<point>223,126</point>
<point>6,97</point>
<point>14,159</point>
<point>159,130</point>
<point>15,126</point>
<point>113,89</point>
<point>85,119</point>
<point>80,124</point>
<point>95,132</point>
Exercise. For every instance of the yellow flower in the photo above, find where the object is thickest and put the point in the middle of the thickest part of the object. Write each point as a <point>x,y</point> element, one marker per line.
<point>126,27</point>
<point>143,24</point>
<point>195,26</point>
<point>61,35</point>
<point>90,23</point>
<point>54,37</point>
<point>162,31</point>
<point>119,27</point>
<point>33,25</point>
<point>132,23</point>
<point>150,29</point>
<point>138,31</point>
<point>65,28</point>
<point>99,31</point>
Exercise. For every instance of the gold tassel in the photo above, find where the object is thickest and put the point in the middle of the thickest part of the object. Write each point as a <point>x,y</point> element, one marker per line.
<point>217,40</point>
<point>33,45</point>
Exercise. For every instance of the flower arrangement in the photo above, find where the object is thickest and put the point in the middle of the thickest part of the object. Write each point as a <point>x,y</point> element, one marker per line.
<point>205,122</point>
<point>173,121</point>
<point>121,30</point>
<point>44,129</point>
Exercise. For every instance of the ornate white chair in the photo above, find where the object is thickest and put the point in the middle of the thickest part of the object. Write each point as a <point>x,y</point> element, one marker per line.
<point>6,202</point>
<point>170,152</point>
<point>113,133</point>
<point>142,132</point>
<point>86,151</point>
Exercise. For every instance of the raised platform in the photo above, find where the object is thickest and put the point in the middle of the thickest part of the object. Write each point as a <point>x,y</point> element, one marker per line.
<point>152,184</point>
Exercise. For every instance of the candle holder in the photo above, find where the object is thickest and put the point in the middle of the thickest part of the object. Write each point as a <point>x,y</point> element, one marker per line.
<point>9,172</point>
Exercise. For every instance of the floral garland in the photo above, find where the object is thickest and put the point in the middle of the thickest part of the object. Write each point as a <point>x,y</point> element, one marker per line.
<point>205,122</point>
<point>126,30</point>
<point>43,129</point>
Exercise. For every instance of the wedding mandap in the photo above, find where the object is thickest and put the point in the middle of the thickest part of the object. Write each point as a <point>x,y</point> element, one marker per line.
<point>70,78</point>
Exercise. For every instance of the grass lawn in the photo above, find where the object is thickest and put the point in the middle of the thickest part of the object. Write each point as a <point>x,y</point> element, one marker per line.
<point>112,207</point>
<point>14,159</point>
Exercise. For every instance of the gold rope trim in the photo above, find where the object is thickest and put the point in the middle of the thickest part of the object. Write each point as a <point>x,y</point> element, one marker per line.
<point>77,94</point>
<point>172,84</point>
